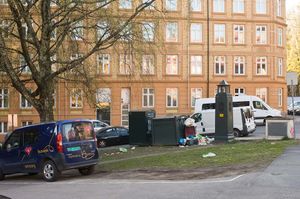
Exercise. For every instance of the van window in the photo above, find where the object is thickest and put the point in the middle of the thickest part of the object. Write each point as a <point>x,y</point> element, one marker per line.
<point>77,131</point>
<point>209,106</point>
<point>259,105</point>
<point>30,136</point>
<point>14,140</point>
<point>240,104</point>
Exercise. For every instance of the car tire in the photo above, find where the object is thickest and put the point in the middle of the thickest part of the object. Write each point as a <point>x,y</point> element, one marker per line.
<point>87,170</point>
<point>2,176</point>
<point>49,171</point>
<point>101,143</point>
<point>236,133</point>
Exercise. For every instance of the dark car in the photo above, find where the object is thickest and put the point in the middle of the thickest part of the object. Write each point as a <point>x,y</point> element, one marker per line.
<point>114,135</point>
<point>49,149</point>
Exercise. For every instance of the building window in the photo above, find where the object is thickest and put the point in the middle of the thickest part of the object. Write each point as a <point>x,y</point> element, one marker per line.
<point>196,5</point>
<point>261,34</point>
<point>73,58</point>
<point>24,102</point>
<point>25,30</point>
<point>172,65</point>
<point>280,64</point>
<point>23,65</point>
<point>150,7</point>
<point>262,93</point>
<point>103,97</point>
<point>26,123</point>
<point>172,97</point>
<point>219,63</point>
<point>196,93</point>
<point>279,36</point>
<point>148,31</point>
<point>3,127</point>
<point>279,97</point>
<point>261,66</point>
<point>279,8</point>
<point>219,33</point>
<point>76,98</point>
<point>171,5</point>
<point>238,6</point>
<point>54,30</point>
<point>77,31</point>
<point>102,30</point>
<point>4,28</point>
<point>103,64</point>
<point>172,32</point>
<point>148,97</point>
<point>3,2</point>
<point>126,33</point>
<point>196,65</point>
<point>239,65</point>
<point>239,34</point>
<point>239,91</point>
<point>125,4</point>
<point>103,3</point>
<point>148,65</point>
<point>219,5</point>
<point>125,64</point>
<point>196,32</point>
<point>3,98</point>
<point>261,6</point>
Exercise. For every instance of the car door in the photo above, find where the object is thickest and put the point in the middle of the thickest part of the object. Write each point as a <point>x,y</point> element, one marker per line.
<point>123,135</point>
<point>112,136</point>
<point>11,152</point>
<point>260,111</point>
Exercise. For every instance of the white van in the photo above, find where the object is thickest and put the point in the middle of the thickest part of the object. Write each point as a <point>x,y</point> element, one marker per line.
<point>243,121</point>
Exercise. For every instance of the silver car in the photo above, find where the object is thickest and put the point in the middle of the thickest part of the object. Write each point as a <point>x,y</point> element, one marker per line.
<point>296,108</point>
<point>99,125</point>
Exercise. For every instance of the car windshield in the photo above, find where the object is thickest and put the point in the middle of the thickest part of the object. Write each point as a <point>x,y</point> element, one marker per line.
<point>76,131</point>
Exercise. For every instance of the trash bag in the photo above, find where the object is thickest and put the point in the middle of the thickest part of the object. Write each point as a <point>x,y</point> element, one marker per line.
<point>189,122</point>
<point>208,155</point>
<point>121,149</point>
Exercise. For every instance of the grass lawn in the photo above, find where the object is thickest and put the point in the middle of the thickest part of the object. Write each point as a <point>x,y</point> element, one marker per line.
<point>191,157</point>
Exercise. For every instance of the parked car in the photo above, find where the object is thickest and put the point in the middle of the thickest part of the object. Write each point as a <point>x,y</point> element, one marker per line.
<point>49,149</point>
<point>114,135</point>
<point>296,108</point>
<point>99,125</point>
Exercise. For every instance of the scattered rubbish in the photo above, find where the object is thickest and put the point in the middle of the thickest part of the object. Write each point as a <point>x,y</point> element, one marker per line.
<point>210,154</point>
<point>273,143</point>
<point>124,150</point>
<point>132,148</point>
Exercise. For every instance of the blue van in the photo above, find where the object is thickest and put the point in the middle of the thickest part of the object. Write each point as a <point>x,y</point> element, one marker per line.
<point>50,148</point>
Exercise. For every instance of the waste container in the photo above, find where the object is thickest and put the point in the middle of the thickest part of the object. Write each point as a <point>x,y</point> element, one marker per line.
<point>280,127</point>
<point>140,127</point>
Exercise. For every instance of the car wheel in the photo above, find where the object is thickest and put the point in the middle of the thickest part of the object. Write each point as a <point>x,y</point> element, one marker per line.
<point>49,171</point>
<point>86,170</point>
<point>2,176</point>
<point>102,143</point>
<point>236,133</point>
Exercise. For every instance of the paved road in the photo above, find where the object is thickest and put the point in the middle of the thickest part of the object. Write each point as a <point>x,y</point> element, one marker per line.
<point>279,181</point>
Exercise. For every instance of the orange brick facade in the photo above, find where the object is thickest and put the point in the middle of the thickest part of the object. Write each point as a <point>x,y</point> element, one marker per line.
<point>184,81</point>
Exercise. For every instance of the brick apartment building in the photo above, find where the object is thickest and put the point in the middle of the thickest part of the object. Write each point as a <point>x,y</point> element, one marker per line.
<point>244,44</point>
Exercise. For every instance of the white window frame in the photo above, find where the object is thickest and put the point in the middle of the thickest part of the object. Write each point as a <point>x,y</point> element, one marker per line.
<point>77,31</point>
<point>148,31</point>
<point>280,66</point>
<point>261,34</point>
<point>219,33</point>
<point>261,63</point>
<point>196,5</point>
<point>53,34</point>
<point>26,123</point>
<point>3,127</point>
<point>26,68</point>
<point>240,62</point>
<point>239,91</point>
<point>4,97</point>
<point>279,8</point>
<point>219,6</point>
<point>262,93</point>
<point>219,63</point>
<point>172,32</point>
<point>149,94</point>
<point>238,34</point>
<point>3,2</point>
<point>78,97</point>
<point>171,5</point>
<point>196,64</point>
<point>102,30</point>
<point>148,64</point>
<point>27,105</point>
<point>103,63</point>
<point>125,4</point>
<point>171,64</point>
<point>196,32</point>
<point>261,7</point>
<point>150,7</point>
<point>125,64</point>
<point>103,3</point>
<point>196,93</point>
<point>4,25</point>
<point>279,37</point>
<point>172,93</point>
<point>238,6</point>
<point>280,92</point>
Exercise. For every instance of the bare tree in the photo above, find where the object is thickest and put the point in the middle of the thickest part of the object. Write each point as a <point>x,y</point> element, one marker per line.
<point>53,39</point>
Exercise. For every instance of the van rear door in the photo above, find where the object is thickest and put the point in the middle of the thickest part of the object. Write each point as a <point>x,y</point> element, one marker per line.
<point>78,141</point>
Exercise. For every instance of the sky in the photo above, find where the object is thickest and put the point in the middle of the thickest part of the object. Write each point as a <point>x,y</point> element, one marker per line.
<point>290,4</point>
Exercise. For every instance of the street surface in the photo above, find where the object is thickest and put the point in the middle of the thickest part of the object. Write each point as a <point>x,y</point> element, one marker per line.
<point>280,180</point>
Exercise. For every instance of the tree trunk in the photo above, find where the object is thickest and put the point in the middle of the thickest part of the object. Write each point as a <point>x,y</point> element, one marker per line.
<point>46,102</point>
